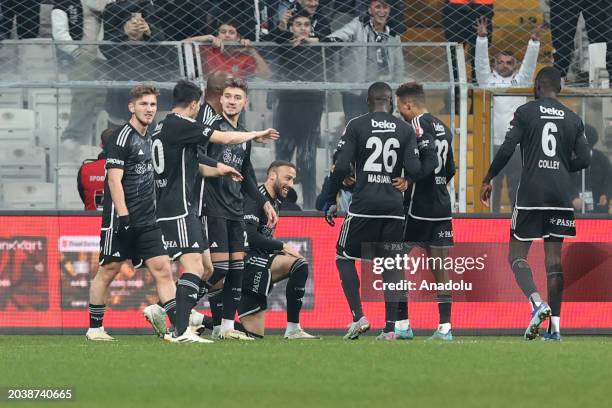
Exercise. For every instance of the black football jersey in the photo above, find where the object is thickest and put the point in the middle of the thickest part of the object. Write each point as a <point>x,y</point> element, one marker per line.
<point>207,116</point>
<point>223,196</point>
<point>130,151</point>
<point>175,158</point>
<point>428,199</point>
<point>379,144</point>
<point>254,214</point>
<point>549,135</point>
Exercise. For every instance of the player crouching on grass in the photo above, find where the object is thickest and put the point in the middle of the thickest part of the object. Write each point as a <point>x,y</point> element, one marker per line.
<point>269,261</point>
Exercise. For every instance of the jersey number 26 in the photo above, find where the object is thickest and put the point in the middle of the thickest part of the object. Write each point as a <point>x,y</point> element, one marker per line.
<point>389,155</point>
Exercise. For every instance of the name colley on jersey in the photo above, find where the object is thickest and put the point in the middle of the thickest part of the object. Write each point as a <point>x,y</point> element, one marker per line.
<point>383,126</point>
<point>549,143</point>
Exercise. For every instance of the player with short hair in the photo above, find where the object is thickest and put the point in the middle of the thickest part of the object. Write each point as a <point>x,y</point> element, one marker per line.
<point>553,145</point>
<point>175,158</point>
<point>428,203</point>
<point>223,207</point>
<point>380,146</point>
<point>269,261</point>
<point>129,227</point>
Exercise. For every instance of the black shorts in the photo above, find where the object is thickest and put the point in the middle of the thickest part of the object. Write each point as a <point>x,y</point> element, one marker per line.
<point>436,234</point>
<point>183,236</point>
<point>358,230</point>
<point>226,236</point>
<point>148,243</point>
<point>256,284</point>
<point>529,225</point>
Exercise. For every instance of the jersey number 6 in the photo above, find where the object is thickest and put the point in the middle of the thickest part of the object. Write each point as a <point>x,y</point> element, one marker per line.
<point>549,142</point>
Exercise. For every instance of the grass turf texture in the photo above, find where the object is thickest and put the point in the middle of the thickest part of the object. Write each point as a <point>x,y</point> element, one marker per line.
<point>139,371</point>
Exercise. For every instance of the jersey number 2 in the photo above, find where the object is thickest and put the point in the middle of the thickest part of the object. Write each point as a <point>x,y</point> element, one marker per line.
<point>549,142</point>
<point>388,152</point>
<point>159,162</point>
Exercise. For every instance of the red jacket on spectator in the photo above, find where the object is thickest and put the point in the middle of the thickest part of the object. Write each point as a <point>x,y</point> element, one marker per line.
<point>239,64</point>
<point>90,182</point>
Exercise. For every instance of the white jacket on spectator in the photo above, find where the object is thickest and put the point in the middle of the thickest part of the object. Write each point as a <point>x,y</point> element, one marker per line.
<point>504,106</point>
<point>361,64</point>
<point>90,20</point>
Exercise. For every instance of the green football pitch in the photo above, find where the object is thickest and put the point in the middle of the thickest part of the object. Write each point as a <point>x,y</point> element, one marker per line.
<point>142,371</point>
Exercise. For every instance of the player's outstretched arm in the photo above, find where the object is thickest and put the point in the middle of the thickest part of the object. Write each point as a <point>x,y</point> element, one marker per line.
<point>220,170</point>
<point>242,137</point>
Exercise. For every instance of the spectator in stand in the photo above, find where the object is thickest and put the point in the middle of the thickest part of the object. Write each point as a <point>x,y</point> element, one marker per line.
<point>183,19</point>
<point>92,18</point>
<point>564,16</point>
<point>253,22</point>
<point>129,21</point>
<point>90,179</point>
<point>341,9</point>
<point>597,179</point>
<point>459,16</point>
<point>505,73</point>
<point>319,26</point>
<point>242,62</point>
<point>369,64</point>
<point>75,20</point>
<point>298,112</point>
<point>27,14</point>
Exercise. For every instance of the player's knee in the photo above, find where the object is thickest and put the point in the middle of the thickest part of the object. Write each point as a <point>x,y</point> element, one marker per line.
<point>554,269</point>
<point>517,262</point>
<point>219,272</point>
<point>161,271</point>
<point>107,273</point>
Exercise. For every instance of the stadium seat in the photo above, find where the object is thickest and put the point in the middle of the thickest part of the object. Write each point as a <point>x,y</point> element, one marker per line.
<point>22,162</point>
<point>17,127</point>
<point>27,195</point>
<point>68,194</point>
<point>38,61</point>
<point>11,98</point>
<point>52,108</point>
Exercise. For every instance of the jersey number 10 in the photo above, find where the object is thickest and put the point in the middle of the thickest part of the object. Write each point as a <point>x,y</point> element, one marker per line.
<point>389,155</point>
<point>159,162</point>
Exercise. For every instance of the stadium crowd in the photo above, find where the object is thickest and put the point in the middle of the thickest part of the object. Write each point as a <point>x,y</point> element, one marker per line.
<point>228,29</point>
